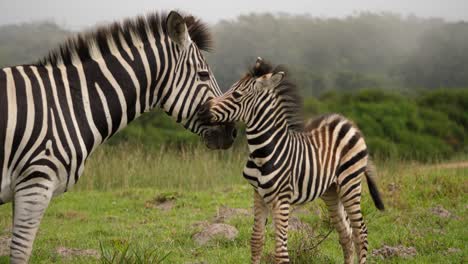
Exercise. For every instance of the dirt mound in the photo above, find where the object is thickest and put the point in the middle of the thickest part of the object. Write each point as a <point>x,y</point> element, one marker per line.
<point>161,202</point>
<point>226,213</point>
<point>215,231</point>
<point>70,252</point>
<point>441,212</point>
<point>452,251</point>
<point>396,251</point>
<point>5,245</point>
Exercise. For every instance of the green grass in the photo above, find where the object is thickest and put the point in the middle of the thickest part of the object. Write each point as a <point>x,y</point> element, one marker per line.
<point>110,211</point>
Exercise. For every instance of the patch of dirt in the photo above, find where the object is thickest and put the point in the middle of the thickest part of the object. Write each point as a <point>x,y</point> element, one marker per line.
<point>452,251</point>
<point>5,245</point>
<point>441,212</point>
<point>71,252</point>
<point>215,231</point>
<point>396,251</point>
<point>226,213</point>
<point>166,206</point>
<point>161,202</point>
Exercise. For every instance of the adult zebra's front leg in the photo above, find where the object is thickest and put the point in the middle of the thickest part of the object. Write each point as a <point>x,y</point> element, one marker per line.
<point>32,194</point>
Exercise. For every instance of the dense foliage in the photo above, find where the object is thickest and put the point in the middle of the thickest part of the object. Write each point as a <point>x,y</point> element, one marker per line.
<point>432,125</point>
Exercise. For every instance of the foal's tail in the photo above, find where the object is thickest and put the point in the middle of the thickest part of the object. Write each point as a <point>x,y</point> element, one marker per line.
<point>374,192</point>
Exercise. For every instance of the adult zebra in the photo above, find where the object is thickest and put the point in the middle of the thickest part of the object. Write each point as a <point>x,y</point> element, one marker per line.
<point>292,164</point>
<point>55,113</point>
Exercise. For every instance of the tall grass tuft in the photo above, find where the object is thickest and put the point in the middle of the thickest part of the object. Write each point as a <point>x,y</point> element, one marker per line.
<point>193,168</point>
<point>124,252</point>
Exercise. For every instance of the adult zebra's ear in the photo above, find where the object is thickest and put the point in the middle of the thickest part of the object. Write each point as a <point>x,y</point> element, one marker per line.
<point>177,29</point>
<point>270,81</point>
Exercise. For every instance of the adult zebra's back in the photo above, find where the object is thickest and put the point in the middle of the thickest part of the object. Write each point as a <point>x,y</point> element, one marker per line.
<point>290,163</point>
<point>54,113</point>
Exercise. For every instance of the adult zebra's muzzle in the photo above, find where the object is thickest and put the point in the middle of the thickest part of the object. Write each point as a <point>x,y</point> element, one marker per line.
<point>218,135</point>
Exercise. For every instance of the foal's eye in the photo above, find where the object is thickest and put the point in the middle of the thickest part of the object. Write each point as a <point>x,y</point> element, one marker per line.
<point>204,75</point>
<point>236,95</point>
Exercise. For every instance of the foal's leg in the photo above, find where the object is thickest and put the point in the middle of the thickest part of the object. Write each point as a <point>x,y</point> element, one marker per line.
<point>339,221</point>
<point>351,198</point>
<point>258,234</point>
<point>281,209</point>
<point>32,196</point>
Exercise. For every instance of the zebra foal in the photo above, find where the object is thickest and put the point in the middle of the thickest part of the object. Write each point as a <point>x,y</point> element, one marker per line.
<point>290,163</point>
<point>56,112</point>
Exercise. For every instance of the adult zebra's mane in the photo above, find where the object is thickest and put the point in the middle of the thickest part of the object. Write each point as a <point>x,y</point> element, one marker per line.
<point>81,44</point>
<point>287,93</point>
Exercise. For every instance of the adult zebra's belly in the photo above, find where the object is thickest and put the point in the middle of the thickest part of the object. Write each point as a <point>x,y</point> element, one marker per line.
<point>6,193</point>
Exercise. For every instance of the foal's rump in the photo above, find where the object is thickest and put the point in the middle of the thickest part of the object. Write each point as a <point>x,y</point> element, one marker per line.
<point>347,145</point>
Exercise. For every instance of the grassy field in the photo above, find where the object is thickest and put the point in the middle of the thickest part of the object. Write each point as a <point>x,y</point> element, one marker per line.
<point>146,207</point>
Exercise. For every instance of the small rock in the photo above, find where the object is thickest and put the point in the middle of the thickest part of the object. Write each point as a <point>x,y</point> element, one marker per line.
<point>215,231</point>
<point>441,212</point>
<point>5,245</point>
<point>397,251</point>
<point>225,213</point>
<point>70,252</point>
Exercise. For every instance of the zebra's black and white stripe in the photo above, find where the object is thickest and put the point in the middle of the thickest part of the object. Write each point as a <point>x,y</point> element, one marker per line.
<point>290,163</point>
<point>55,113</point>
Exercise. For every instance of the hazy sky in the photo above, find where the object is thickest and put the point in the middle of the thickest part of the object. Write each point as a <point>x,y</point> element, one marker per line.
<point>76,14</point>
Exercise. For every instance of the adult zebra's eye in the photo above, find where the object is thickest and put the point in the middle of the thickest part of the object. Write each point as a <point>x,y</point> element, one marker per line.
<point>204,75</point>
<point>236,95</point>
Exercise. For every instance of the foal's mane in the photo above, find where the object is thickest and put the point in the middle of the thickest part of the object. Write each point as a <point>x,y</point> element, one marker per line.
<point>287,92</point>
<point>81,44</point>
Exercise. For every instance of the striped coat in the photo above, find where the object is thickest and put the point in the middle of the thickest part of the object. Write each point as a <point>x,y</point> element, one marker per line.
<point>55,113</point>
<point>290,163</point>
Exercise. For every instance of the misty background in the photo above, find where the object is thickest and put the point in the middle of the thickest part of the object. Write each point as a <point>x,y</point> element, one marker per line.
<point>78,14</point>
<point>399,69</point>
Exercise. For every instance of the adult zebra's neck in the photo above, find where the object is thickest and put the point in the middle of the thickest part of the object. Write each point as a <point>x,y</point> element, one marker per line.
<point>114,86</point>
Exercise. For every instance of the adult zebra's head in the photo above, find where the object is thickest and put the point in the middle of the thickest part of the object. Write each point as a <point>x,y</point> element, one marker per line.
<point>192,82</point>
<point>263,94</point>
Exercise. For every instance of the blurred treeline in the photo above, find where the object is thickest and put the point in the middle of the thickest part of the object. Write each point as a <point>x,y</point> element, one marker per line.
<point>403,80</point>
<point>363,51</point>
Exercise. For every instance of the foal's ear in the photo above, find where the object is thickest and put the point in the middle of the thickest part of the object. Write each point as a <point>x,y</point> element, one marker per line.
<point>270,81</point>
<point>177,29</point>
